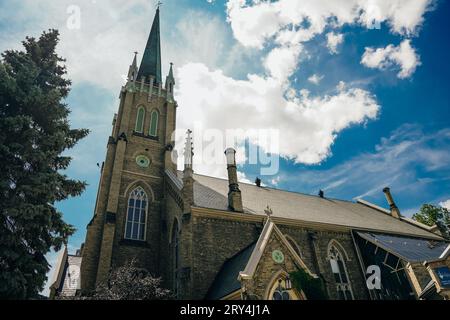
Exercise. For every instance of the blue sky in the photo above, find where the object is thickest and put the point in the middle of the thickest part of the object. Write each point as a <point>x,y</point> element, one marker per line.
<point>360,98</point>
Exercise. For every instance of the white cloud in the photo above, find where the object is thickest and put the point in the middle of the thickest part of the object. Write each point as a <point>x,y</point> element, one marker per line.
<point>308,125</point>
<point>315,78</point>
<point>402,55</point>
<point>101,50</point>
<point>445,204</point>
<point>281,62</point>
<point>333,40</point>
<point>258,21</point>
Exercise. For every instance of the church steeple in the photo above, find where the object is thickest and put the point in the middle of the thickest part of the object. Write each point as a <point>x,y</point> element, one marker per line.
<point>151,60</point>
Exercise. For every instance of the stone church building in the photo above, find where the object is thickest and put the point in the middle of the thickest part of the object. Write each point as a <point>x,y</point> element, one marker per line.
<point>211,238</point>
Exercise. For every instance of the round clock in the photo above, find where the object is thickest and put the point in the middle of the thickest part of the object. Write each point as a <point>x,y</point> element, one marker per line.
<point>142,161</point>
<point>277,256</point>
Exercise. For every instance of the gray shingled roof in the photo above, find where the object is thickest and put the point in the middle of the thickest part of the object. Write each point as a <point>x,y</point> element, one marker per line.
<point>210,192</point>
<point>226,281</point>
<point>407,248</point>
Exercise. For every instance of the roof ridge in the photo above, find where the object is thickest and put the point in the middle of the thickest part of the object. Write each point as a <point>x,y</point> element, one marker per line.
<point>273,188</point>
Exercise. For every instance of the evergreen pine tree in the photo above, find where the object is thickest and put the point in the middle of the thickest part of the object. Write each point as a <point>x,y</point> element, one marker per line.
<point>34,133</point>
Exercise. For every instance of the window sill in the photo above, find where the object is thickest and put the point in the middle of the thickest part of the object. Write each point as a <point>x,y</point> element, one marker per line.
<point>134,243</point>
<point>142,135</point>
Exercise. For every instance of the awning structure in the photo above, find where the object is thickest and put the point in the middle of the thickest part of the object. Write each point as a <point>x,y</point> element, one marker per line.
<point>407,248</point>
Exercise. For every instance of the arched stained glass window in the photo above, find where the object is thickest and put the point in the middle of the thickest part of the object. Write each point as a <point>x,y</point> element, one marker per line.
<point>139,127</point>
<point>136,215</point>
<point>154,124</point>
<point>339,269</point>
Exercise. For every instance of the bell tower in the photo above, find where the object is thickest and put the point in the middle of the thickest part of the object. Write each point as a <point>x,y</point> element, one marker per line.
<point>126,222</point>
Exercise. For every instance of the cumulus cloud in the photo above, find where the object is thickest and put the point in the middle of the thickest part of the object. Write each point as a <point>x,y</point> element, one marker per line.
<point>333,41</point>
<point>307,125</point>
<point>445,204</point>
<point>101,49</point>
<point>315,78</point>
<point>254,23</point>
<point>404,56</point>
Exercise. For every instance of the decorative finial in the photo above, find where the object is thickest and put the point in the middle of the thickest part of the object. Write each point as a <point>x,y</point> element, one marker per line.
<point>188,150</point>
<point>268,211</point>
<point>158,4</point>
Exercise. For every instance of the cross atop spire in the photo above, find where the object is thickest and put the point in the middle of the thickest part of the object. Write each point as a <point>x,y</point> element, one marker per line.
<point>151,60</point>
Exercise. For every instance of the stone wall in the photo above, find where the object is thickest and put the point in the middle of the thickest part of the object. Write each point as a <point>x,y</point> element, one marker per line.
<point>216,240</point>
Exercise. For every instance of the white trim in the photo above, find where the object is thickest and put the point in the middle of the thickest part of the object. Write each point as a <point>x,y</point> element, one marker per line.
<point>57,276</point>
<point>296,246</point>
<point>373,206</point>
<point>445,253</point>
<point>260,246</point>
<point>417,223</point>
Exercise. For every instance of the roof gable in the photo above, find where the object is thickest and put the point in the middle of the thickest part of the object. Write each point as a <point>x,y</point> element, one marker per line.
<point>270,229</point>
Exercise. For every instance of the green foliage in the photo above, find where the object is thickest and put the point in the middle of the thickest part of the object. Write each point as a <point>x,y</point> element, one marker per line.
<point>431,215</point>
<point>129,282</point>
<point>34,132</point>
<point>313,288</point>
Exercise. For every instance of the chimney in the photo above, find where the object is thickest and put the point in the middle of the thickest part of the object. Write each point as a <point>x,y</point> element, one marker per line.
<point>394,209</point>
<point>258,182</point>
<point>321,193</point>
<point>234,194</point>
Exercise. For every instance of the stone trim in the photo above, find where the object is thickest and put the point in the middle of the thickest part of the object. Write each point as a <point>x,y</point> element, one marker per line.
<point>140,174</point>
<point>134,243</point>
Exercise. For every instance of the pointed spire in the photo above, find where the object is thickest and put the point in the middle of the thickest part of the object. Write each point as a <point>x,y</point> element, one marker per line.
<point>170,76</point>
<point>170,83</point>
<point>151,60</point>
<point>132,71</point>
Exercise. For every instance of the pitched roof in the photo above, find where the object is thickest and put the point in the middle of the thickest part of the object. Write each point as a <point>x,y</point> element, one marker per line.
<point>226,281</point>
<point>269,228</point>
<point>151,60</point>
<point>211,192</point>
<point>407,248</point>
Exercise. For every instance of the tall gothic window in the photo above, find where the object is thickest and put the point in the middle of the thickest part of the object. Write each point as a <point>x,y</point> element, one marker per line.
<point>139,127</point>
<point>339,269</point>
<point>154,123</point>
<point>136,215</point>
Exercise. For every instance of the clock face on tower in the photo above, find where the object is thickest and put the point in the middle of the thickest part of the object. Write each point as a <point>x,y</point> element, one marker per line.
<point>142,161</point>
<point>277,256</point>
